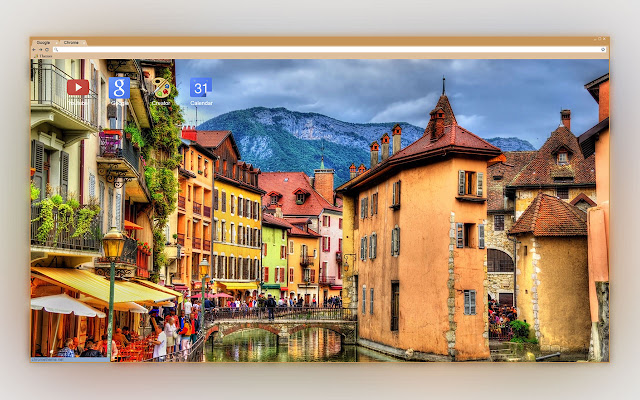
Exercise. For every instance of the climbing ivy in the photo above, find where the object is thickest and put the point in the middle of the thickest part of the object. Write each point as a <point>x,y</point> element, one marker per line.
<point>160,148</point>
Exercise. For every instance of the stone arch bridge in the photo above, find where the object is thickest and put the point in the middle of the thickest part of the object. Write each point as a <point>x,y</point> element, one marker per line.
<point>283,328</point>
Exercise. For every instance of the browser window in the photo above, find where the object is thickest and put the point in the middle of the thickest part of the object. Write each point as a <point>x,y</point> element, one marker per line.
<point>319,199</point>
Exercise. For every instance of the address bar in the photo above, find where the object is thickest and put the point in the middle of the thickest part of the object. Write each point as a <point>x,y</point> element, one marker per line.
<point>330,49</point>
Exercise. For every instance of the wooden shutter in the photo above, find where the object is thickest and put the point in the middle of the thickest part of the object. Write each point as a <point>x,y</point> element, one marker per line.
<point>328,244</point>
<point>372,202</point>
<point>256,211</point>
<point>467,302</point>
<point>481,236</point>
<point>398,193</point>
<point>371,301</point>
<point>92,185</point>
<point>224,201</point>
<point>266,274</point>
<point>364,299</point>
<point>362,208</point>
<point>393,196</point>
<point>398,241</point>
<point>375,245</point>
<point>37,162</point>
<point>361,248</point>
<point>479,184</point>
<point>215,199</point>
<point>290,275</point>
<point>393,241</point>
<point>118,210</point>
<point>461,182</point>
<point>64,174</point>
<point>281,274</point>
<point>459,235</point>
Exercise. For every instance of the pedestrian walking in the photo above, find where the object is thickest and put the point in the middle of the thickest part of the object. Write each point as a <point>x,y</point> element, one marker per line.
<point>271,304</point>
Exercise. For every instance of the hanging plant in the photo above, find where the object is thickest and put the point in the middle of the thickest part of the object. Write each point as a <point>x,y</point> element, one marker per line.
<point>46,220</point>
<point>85,217</point>
<point>35,192</point>
<point>65,217</point>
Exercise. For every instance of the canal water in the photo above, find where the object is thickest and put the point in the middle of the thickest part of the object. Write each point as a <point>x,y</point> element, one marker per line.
<point>309,345</point>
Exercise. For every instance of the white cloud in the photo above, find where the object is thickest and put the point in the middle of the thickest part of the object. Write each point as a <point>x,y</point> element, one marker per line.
<point>470,122</point>
<point>413,111</point>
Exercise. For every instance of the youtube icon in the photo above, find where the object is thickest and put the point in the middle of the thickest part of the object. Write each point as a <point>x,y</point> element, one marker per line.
<point>78,87</point>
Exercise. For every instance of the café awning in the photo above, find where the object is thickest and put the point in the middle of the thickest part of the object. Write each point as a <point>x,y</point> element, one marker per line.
<point>97,286</point>
<point>131,225</point>
<point>128,306</point>
<point>239,285</point>
<point>160,288</point>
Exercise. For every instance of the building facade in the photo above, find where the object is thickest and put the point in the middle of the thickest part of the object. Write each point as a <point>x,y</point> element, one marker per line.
<point>275,268</point>
<point>237,216</point>
<point>419,265</point>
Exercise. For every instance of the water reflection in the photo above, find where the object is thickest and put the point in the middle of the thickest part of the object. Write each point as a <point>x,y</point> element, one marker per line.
<point>309,345</point>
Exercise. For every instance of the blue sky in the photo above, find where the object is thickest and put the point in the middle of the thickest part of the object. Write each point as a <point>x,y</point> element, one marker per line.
<point>505,98</point>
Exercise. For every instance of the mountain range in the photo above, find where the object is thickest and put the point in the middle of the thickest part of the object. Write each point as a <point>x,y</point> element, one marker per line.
<point>277,139</point>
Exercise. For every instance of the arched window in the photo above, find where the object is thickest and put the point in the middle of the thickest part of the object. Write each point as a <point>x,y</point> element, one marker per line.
<point>499,261</point>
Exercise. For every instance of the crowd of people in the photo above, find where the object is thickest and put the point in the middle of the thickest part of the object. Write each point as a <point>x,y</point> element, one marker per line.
<point>98,348</point>
<point>499,318</point>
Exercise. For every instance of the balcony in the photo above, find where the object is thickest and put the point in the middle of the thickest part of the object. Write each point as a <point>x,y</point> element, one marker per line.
<point>339,257</point>
<point>76,116</point>
<point>306,261</point>
<point>197,243</point>
<point>197,208</point>
<point>141,88</point>
<point>180,239</point>
<point>142,264</point>
<point>207,245</point>
<point>181,202</point>
<point>126,265</point>
<point>120,162</point>
<point>327,280</point>
<point>207,212</point>
<point>63,240</point>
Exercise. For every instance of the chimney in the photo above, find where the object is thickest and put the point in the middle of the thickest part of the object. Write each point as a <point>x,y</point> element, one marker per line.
<point>362,169</point>
<point>565,116</point>
<point>385,146</point>
<point>397,134</point>
<point>352,171</point>
<point>438,116</point>
<point>323,183</point>
<point>374,154</point>
<point>189,132</point>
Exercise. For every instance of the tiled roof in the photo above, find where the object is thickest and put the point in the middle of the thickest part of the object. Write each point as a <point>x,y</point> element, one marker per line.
<point>514,162</point>
<point>287,183</point>
<point>212,139</point>
<point>295,231</point>
<point>543,168</point>
<point>449,116</point>
<point>454,138</point>
<point>549,216</point>
<point>268,219</point>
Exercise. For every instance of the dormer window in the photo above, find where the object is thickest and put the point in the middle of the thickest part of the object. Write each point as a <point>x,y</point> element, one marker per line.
<point>274,200</point>
<point>563,158</point>
<point>300,198</point>
<point>301,195</point>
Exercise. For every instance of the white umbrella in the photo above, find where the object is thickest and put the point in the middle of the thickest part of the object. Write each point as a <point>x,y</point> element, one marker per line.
<point>64,304</point>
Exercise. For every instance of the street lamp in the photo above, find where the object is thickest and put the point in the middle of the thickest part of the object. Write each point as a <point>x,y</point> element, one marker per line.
<point>204,268</point>
<point>113,244</point>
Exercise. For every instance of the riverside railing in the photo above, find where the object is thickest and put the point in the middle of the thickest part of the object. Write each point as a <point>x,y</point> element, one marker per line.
<point>282,313</point>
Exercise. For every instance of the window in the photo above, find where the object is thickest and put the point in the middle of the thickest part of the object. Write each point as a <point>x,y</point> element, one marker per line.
<point>290,274</point>
<point>459,235</point>
<point>373,244</point>
<point>240,201</point>
<point>371,301</point>
<point>300,198</point>
<point>499,261</point>
<point>395,196</point>
<point>274,200</point>
<point>326,220</point>
<point>312,276</point>
<point>364,299</point>
<point>215,199</point>
<point>215,230</point>
<point>395,241</point>
<point>265,277</point>
<point>498,222</point>
<point>315,253</point>
<point>562,193</point>
<point>469,302</point>
<point>363,248</point>
<point>395,305</point>
<point>470,183</point>
<point>224,201</point>
<point>92,185</point>
<point>326,244</point>
<point>189,193</point>
<point>283,252</point>
<point>364,207</point>
<point>563,158</point>
<point>233,204</point>
<point>481,236</point>
<point>374,204</point>
<point>283,235</point>
<point>206,168</point>
<point>468,235</point>
<point>224,232</point>
<point>290,246</point>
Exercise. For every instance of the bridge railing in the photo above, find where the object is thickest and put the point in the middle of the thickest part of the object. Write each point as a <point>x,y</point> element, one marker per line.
<point>281,313</point>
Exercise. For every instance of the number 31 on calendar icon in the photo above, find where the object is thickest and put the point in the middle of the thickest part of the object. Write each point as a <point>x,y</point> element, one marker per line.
<point>200,86</point>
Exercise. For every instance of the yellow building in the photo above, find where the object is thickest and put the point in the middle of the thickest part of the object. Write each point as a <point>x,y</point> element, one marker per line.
<point>236,224</point>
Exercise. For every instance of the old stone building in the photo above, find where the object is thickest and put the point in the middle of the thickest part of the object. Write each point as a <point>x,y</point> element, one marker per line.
<point>415,245</point>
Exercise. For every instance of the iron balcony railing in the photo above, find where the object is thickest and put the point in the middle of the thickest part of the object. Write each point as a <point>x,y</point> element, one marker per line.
<point>112,144</point>
<point>197,208</point>
<point>327,280</point>
<point>181,202</point>
<point>49,88</point>
<point>207,211</point>
<point>181,239</point>
<point>306,260</point>
<point>207,245</point>
<point>197,243</point>
<point>339,257</point>
<point>62,234</point>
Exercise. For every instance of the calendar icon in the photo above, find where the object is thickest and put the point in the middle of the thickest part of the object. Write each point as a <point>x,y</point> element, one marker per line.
<point>200,86</point>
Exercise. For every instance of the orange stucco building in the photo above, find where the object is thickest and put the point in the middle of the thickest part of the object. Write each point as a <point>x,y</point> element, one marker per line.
<point>596,141</point>
<point>416,221</point>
